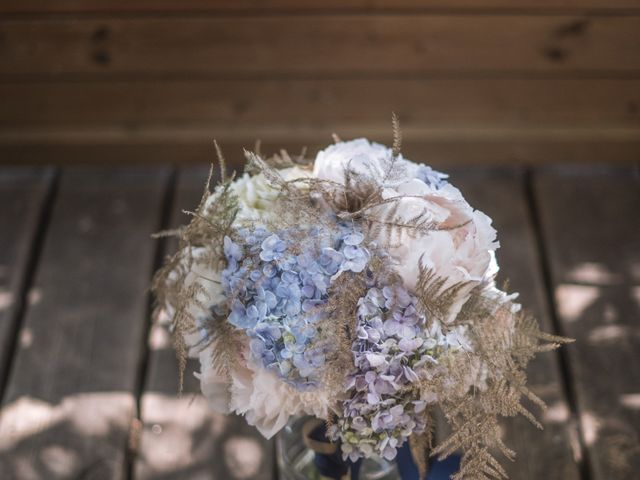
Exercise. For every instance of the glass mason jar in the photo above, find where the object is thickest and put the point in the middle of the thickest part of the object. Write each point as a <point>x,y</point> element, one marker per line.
<point>295,459</point>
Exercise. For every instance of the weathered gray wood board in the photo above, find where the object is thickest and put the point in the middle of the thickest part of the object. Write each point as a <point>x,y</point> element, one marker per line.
<point>69,402</point>
<point>181,437</point>
<point>547,454</point>
<point>70,397</point>
<point>592,234</point>
<point>22,193</point>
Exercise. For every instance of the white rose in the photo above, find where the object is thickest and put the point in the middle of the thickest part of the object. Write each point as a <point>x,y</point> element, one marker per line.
<point>366,158</point>
<point>267,402</point>
<point>256,194</point>
<point>358,155</point>
<point>461,249</point>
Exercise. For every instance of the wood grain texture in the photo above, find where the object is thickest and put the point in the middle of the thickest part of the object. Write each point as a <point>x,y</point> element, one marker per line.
<point>110,6</point>
<point>449,147</point>
<point>321,45</point>
<point>321,104</point>
<point>182,438</point>
<point>69,403</point>
<point>22,193</point>
<point>591,229</point>
<point>548,454</point>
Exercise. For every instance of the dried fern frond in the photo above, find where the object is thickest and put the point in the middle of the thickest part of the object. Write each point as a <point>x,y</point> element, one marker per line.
<point>420,445</point>
<point>397,135</point>
<point>504,340</point>
<point>227,342</point>
<point>337,330</point>
<point>436,299</point>
<point>277,161</point>
<point>174,286</point>
<point>222,162</point>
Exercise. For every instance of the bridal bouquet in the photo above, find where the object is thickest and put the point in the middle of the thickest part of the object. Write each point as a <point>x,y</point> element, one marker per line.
<point>358,288</point>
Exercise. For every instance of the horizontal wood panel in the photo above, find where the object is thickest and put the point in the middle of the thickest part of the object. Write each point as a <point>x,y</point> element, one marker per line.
<point>453,149</point>
<point>326,45</point>
<point>36,6</point>
<point>321,104</point>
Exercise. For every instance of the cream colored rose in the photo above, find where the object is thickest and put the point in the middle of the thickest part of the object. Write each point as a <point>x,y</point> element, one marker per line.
<point>461,245</point>
<point>364,158</point>
<point>267,402</point>
<point>256,195</point>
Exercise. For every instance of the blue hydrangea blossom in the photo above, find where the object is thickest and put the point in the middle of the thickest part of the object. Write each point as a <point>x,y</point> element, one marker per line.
<point>276,283</point>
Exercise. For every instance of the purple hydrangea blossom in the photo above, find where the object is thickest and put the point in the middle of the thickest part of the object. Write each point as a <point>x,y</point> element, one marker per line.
<point>276,285</point>
<point>393,342</point>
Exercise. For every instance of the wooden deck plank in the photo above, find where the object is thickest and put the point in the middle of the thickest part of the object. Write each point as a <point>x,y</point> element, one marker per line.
<point>22,193</point>
<point>547,454</point>
<point>321,45</point>
<point>69,403</point>
<point>592,234</point>
<point>181,437</point>
<point>163,6</point>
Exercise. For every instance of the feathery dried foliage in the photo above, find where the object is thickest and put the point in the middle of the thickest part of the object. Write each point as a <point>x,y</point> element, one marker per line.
<point>337,330</point>
<point>397,135</point>
<point>279,160</point>
<point>435,299</point>
<point>420,446</point>
<point>360,198</point>
<point>297,202</point>
<point>174,285</point>
<point>475,388</point>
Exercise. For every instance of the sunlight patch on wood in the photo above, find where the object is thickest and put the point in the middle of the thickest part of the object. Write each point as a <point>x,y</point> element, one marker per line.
<point>88,414</point>
<point>34,297</point>
<point>608,334</point>
<point>630,400</point>
<point>61,461</point>
<point>178,432</point>
<point>26,337</point>
<point>590,427</point>
<point>243,456</point>
<point>593,273</point>
<point>556,413</point>
<point>6,300</point>
<point>159,338</point>
<point>573,300</point>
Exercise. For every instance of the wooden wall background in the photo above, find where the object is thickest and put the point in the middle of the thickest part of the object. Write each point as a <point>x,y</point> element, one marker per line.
<point>472,80</point>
